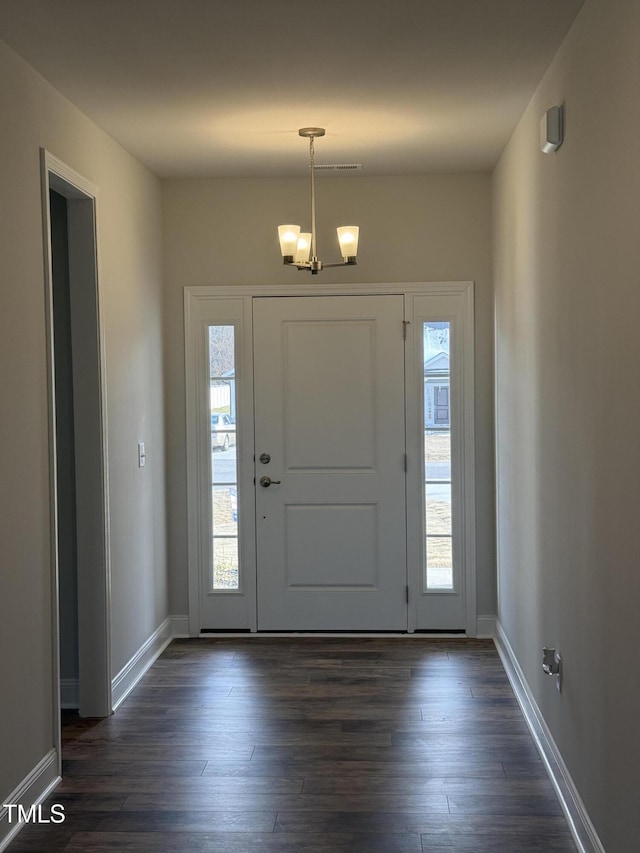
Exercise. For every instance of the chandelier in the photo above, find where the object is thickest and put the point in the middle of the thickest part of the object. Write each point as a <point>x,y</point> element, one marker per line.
<point>299,249</point>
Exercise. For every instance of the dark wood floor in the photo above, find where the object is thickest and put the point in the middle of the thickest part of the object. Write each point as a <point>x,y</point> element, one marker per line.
<point>323,745</point>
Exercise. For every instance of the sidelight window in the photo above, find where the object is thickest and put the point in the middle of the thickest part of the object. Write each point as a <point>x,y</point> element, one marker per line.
<point>437,455</point>
<point>224,464</point>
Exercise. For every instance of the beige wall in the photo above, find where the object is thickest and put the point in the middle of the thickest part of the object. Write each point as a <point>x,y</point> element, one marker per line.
<point>412,229</point>
<point>32,114</point>
<point>567,258</point>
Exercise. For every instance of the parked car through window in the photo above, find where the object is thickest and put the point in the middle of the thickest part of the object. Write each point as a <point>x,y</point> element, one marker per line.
<point>223,431</point>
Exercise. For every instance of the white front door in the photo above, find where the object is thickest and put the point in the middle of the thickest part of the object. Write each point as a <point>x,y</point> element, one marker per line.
<point>329,418</point>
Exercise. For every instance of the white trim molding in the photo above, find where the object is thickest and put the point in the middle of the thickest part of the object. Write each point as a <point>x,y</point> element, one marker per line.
<point>582,829</point>
<point>206,292</point>
<point>233,305</point>
<point>139,664</point>
<point>33,789</point>
<point>453,608</point>
<point>94,584</point>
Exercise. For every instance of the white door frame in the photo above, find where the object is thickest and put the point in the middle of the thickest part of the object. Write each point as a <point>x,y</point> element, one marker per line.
<point>442,609</point>
<point>93,536</point>
<point>200,302</point>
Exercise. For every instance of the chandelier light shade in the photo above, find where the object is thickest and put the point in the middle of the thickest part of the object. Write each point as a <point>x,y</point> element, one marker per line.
<point>288,235</point>
<point>348,239</point>
<point>299,249</point>
<point>303,251</point>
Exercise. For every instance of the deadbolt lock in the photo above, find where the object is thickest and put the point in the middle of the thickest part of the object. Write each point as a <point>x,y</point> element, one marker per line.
<point>265,458</point>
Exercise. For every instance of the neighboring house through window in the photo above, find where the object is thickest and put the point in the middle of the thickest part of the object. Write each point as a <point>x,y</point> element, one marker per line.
<point>436,390</point>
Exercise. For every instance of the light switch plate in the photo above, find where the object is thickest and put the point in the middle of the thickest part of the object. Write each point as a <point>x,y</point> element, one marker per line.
<point>142,456</point>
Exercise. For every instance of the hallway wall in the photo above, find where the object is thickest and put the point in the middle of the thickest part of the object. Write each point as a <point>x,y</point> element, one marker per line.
<point>567,256</point>
<point>35,115</point>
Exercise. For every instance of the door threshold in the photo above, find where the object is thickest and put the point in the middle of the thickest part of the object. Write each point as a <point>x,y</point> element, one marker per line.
<point>400,635</point>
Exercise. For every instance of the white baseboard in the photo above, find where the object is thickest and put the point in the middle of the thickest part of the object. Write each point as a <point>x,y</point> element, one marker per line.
<point>131,673</point>
<point>134,670</point>
<point>179,627</point>
<point>33,789</point>
<point>486,627</point>
<point>582,829</point>
<point>69,693</point>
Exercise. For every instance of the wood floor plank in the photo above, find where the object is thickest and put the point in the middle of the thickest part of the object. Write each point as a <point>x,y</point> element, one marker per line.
<point>419,786</point>
<point>177,730</point>
<point>169,842</point>
<point>433,803</point>
<point>308,745</point>
<point>512,804</point>
<point>499,841</point>
<point>110,767</point>
<point>477,751</point>
<point>386,822</point>
<point>482,826</point>
<point>525,769</point>
<point>326,709</point>
<point>191,784</point>
<point>435,724</point>
<point>467,767</point>
<point>198,820</point>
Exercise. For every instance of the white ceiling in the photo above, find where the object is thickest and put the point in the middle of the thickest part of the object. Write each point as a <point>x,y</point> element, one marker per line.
<point>213,88</point>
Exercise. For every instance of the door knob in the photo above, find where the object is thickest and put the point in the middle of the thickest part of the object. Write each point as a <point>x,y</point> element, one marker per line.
<point>267,481</point>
